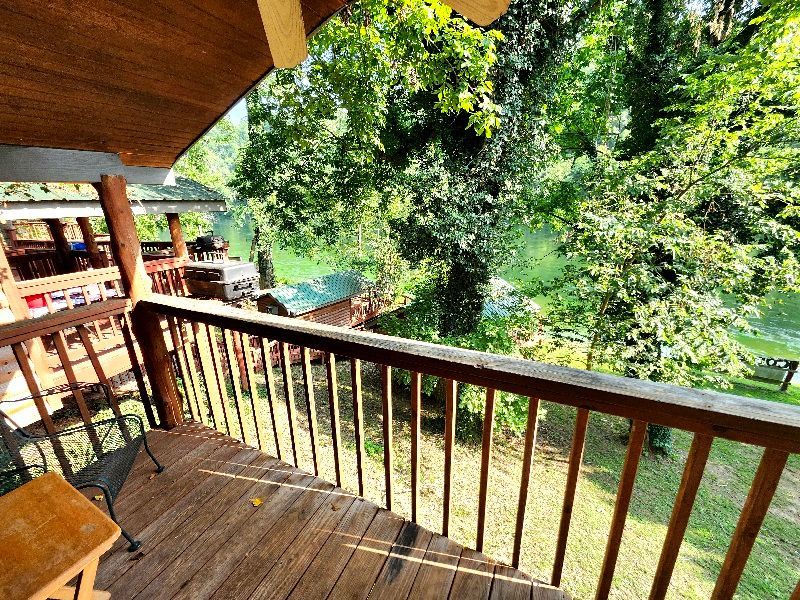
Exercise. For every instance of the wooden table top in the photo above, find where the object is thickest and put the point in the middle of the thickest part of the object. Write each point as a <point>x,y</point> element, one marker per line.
<point>48,532</point>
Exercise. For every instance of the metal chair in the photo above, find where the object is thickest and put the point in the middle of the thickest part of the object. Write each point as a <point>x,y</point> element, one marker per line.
<point>99,455</point>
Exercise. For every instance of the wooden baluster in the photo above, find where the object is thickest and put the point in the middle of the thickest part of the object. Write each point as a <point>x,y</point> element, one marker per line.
<point>189,346</point>
<point>311,406</point>
<point>86,340</point>
<point>358,421</point>
<point>527,463</point>
<point>66,363</point>
<point>451,394</point>
<point>213,342</point>
<point>87,300</point>
<point>209,374</point>
<point>388,454</point>
<point>68,299</point>
<point>754,510</point>
<point>288,392</point>
<point>33,386</point>
<point>237,348</point>
<point>255,399</point>
<point>681,511</point>
<point>269,376</point>
<point>236,378</point>
<point>624,492</point>
<point>416,400</point>
<point>101,287</point>
<point>333,405</point>
<point>137,370</point>
<point>486,460</point>
<point>573,473</point>
<point>183,369</point>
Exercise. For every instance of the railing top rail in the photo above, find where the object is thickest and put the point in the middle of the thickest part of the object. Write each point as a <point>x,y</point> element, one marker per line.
<point>27,329</point>
<point>165,264</point>
<point>55,283</point>
<point>759,422</point>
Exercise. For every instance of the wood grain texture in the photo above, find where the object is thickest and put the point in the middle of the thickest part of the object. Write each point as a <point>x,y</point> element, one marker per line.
<point>311,407</point>
<point>681,511</point>
<point>755,509</point>
<point>450,396</point>
<point>358,421</point>
<point>473,579</point>
<point>759,422</point>
<point>288,394</point>
<point>333,407</point>
<point>624,492</point>
<point>524,485</point>
<point>283,24</point>
<point>416,400</point>
<point>481,12</point>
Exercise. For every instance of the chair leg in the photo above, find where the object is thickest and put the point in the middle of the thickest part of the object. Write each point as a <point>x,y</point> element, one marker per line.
<point>159,466</point>
<point>134,543</point>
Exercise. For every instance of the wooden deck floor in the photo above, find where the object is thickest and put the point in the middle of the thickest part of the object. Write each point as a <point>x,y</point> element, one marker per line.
<point>307,539</point>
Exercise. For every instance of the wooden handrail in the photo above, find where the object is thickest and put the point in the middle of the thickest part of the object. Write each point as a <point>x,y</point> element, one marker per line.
<point>57,283</point>
<point>759,422</point>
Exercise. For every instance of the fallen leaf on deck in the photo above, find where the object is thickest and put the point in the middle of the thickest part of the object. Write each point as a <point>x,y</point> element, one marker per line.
<point>256,501</point>
<point>98,497</point>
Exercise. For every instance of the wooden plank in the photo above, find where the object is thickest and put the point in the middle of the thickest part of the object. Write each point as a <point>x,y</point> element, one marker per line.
<point>510,584</point>
<point>183,369</point>
<point>370,555</point>
<point>416,401</point>
<point>450,395</point>
<point>28,329</point>
<point>486,461</point>
<point>402,565</point>
<point>358,421</point>
<point>261,556</point>
<point>288,393</point>
<point>755,509</point>
<point>527,463</point>
<point>236,378</point>
<point>283,24</point>
<point>473,579</point>
<point>213,342</point>
<point>272,398</point>
<point>333,407</point>
<point>573,473</point>
<point>624,492</point>
<point>311,406</point>
<point>329,562</point>
<point>438,568</point>
<point>388,452</point>
<point>681,511</point>
<point>255,398</point>
<point>43,285</point>
<point>482,12</point>
<point>727,416</point>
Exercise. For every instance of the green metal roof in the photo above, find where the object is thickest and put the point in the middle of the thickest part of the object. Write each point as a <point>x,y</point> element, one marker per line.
<point>313,294</point>
<point>184,190</point>
<point>504,300</point>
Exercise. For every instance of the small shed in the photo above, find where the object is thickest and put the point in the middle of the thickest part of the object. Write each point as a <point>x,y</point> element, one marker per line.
<point>344,298</point>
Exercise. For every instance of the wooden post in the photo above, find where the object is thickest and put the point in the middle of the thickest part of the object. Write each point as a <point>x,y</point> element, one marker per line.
<point>126,247</point>
<point>91,244</point>
<point>61,244</point>
<point>19,308</point>
<point>176,233</point>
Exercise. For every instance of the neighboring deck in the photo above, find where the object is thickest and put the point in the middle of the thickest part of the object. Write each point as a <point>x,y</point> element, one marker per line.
<point>306,539</point>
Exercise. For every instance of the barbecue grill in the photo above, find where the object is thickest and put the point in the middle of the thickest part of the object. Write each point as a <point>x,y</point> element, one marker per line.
<point>225,281</point>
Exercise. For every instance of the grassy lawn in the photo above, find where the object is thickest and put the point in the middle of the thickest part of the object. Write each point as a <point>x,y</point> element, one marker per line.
<point>772,571</point>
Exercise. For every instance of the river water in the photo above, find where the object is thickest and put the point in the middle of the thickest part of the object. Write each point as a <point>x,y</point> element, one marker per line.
<point>778,330</point>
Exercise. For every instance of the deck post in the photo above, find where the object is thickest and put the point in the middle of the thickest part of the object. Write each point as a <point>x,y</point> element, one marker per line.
<point>91,243</point>
<point>63,251</point>
<point>126,247</point>
<point>19,309</point>
<point>176,233</point>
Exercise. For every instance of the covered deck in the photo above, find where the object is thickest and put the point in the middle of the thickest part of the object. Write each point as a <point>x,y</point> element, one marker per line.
<point>226,520</point>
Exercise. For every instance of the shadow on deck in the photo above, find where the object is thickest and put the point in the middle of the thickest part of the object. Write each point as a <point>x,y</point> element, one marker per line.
<point>228,521</point>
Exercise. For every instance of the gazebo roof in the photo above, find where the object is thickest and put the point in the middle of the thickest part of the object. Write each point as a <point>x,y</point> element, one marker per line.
<point>319,292</point>
<point>60,200</point>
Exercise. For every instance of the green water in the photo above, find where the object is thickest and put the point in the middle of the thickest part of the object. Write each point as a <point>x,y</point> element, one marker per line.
<point>778,330</point>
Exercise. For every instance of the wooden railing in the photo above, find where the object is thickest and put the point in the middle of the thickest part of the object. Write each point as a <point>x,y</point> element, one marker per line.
<point>208,338</point>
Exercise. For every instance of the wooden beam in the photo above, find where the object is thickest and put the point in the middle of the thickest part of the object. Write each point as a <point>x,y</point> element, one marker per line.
<point>127,251</point>
<point>45,209</point>
<point>176,233</point>
<point>57,165</point>
<point>481,12</point>
<point>286,34</point>
<point>92,248</point>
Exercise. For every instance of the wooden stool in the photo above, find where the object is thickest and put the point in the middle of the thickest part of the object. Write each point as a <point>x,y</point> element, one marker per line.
<point>49,533</point>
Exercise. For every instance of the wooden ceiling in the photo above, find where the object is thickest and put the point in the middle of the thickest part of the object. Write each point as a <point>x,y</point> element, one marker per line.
<point>141,78</point>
